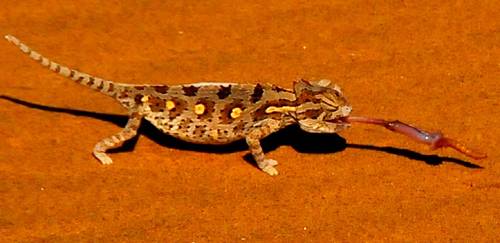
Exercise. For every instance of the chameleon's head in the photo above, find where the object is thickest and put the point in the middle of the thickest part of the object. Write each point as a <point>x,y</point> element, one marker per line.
<point>321,106</point>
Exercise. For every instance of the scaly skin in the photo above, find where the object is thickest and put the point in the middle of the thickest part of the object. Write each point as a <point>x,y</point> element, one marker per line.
<point>214,113</point>
<point>220,113</point>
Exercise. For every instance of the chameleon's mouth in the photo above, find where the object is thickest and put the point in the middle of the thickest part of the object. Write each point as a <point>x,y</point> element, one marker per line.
<point>341,121</point>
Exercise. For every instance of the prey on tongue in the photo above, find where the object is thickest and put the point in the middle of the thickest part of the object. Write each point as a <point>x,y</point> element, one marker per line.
<point>435,140</point>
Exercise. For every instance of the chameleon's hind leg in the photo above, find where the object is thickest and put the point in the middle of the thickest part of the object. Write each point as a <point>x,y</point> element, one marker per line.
<point>117,140</point>
<point>253,141</point>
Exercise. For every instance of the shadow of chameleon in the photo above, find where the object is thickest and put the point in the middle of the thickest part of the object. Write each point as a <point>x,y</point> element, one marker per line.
<point>292,136</point>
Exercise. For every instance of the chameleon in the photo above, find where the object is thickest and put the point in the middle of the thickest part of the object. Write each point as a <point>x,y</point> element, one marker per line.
<point>222,113</point>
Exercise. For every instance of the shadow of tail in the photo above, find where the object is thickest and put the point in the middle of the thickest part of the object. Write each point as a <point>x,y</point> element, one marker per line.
<point>293,136</point>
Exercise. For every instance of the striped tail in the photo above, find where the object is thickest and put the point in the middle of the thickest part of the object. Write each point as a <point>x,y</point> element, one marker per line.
<point>95,83</point>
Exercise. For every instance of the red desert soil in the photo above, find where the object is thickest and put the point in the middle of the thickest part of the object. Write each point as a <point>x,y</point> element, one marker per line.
<point>434,64</point>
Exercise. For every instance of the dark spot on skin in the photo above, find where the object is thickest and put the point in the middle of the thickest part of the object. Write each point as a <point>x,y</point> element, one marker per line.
<point>138,98</point>
<point>123,95</point>
<point>224,92</point>
<point>162,89</point>
<point>58,68</point>
<point>71,73</point>
<point>156,104</point>
<point>180,106</point>
<point>91,81</point>
<point>139,87</point>
<point>80,79</point>
<point>190,90</point>
<point>199,131</point>
<point>257,93</point>
<point>238,129</point>
<point>101,85</point>
<point>185,124</point>
<point>111,87</point>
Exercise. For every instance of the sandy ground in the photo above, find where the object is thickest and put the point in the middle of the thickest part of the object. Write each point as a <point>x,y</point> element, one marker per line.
<point>432,64</point>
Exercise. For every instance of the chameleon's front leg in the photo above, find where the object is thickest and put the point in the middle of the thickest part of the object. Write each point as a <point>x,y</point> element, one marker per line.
<point>253,140</point>
<point>118,139</point>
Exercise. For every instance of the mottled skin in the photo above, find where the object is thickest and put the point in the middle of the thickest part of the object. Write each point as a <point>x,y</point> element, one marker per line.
<point>215,113</point>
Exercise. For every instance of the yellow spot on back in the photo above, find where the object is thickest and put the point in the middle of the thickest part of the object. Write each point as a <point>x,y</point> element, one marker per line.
<point>236,112</point>
<point>145,99</point>
<point>170,105</point>
<point>199,109</point>
<point>282,109</point>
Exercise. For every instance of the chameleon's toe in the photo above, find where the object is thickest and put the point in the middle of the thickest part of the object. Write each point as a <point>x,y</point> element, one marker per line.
<point>268,167</point>
<point>270,170</point>
<point>104,158</point>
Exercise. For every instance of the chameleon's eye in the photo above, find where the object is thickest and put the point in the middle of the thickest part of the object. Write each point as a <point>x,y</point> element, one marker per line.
<point>346,110</point>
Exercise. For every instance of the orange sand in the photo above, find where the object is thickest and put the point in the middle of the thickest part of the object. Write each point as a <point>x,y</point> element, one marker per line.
<point>435,64</point>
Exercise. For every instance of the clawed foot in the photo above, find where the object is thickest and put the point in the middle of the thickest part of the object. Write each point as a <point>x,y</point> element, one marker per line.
<point>103,157</point>
<point>268,167</point>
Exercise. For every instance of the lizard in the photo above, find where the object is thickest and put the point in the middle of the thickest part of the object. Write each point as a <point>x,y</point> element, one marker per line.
<point>222,113</point>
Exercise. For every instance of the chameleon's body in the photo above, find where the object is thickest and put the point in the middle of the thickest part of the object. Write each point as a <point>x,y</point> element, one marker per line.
<point>215,113</point>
